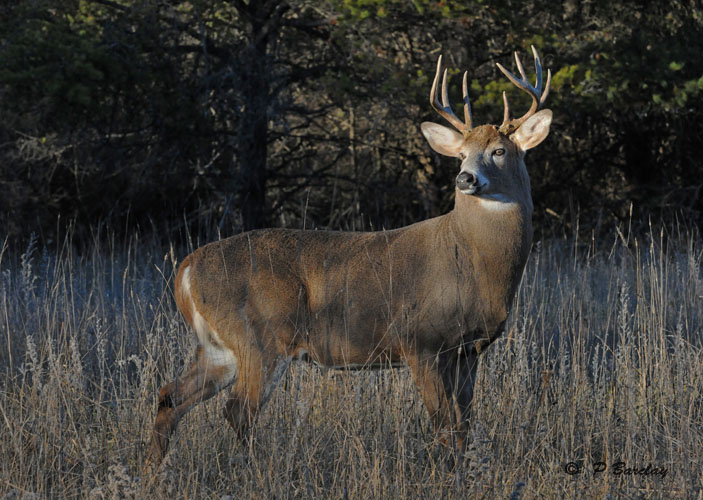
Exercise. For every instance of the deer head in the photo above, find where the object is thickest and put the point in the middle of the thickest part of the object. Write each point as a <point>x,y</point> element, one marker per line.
<point>492,157</point>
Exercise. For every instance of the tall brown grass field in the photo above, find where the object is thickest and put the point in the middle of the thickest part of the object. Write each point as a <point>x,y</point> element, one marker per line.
<point>594,391</point>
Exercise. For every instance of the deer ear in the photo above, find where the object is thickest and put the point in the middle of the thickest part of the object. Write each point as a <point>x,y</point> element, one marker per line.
<point>442,139</point>
<point>533,131</point>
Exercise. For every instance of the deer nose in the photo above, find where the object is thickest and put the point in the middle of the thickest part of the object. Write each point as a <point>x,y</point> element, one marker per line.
<point>466,180</point>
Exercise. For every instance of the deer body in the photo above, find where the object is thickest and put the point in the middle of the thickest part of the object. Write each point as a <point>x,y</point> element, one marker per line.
<point>362,298</point>
<point>433,294</point>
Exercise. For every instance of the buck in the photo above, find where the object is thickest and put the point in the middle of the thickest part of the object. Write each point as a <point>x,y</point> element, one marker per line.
<point>433,294</point>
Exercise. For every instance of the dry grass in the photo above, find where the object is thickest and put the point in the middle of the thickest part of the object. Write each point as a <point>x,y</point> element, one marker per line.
<point>602,362</point>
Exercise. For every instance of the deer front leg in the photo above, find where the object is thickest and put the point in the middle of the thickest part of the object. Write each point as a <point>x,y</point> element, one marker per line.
<point>446,383</point>
<point>458,377</point>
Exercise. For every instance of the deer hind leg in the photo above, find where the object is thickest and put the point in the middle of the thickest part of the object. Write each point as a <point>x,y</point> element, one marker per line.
<point>258,375</point>
<point>446,383</point>
<point>205,377</point>
<point>244,400</point>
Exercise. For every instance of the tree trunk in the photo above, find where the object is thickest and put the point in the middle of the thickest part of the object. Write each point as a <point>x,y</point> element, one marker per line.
<point>252,136</point>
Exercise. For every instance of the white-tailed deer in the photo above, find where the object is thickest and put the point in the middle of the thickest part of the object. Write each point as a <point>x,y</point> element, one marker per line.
<point>434,294</point>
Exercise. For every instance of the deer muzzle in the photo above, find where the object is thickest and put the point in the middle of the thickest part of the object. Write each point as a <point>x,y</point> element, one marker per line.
<point>467,183</point>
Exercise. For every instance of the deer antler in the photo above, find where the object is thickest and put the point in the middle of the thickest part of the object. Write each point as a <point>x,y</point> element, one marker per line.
<point>445,108</point>
<point>538,97</point>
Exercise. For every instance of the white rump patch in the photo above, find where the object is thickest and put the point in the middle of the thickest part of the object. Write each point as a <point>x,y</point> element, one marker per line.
<point>215,350</point>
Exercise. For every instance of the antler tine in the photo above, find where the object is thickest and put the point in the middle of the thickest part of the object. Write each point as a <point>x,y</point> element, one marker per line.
<point>546,88</point>
<point>445,92</point>
<point>468,119</point>
<point>445,109</point>
<point>538,97</point>
<point>518,62</point>
<point>538,70</point>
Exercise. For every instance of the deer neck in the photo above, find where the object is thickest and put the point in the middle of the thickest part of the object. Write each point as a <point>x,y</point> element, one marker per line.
<point>495,237</point>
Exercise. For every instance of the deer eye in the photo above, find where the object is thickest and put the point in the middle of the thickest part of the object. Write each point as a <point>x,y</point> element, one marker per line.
<point>499,152</point>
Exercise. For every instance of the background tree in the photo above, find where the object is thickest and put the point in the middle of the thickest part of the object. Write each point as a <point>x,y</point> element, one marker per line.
<point>231,115</point>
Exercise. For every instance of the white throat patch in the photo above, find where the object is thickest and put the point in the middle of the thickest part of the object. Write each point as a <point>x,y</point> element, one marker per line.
<point>495,201</point>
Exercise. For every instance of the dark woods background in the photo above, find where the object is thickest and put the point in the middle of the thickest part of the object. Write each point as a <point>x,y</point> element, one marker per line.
<point>208,115</point>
